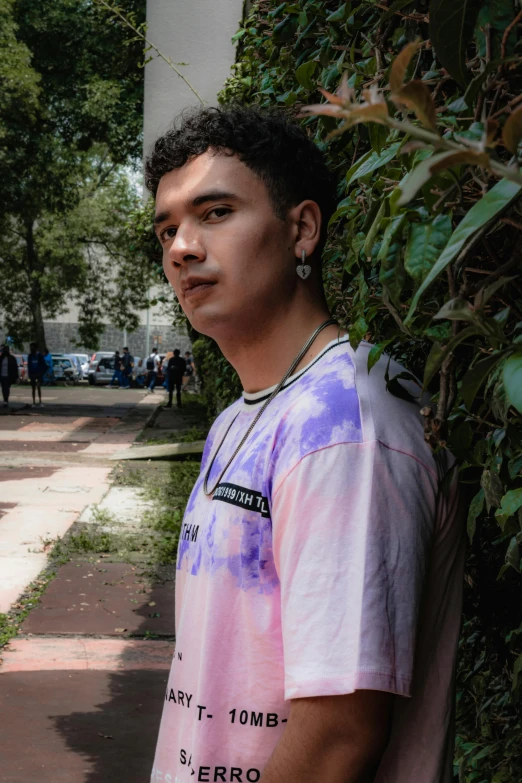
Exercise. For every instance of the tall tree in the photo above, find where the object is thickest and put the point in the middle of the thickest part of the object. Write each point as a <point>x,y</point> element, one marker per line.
<point>71,118</point>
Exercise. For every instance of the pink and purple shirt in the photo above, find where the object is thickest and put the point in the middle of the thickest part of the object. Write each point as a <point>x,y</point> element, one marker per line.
<point>329,559</point>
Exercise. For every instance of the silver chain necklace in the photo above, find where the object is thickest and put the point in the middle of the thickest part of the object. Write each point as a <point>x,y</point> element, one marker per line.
<point>278,388</point>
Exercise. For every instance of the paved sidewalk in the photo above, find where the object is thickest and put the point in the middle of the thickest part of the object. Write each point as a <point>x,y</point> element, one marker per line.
<point>83,683</point>
<point>40,507</point>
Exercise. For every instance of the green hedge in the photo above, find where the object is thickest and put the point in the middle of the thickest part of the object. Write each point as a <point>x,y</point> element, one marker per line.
<point>425,265</point>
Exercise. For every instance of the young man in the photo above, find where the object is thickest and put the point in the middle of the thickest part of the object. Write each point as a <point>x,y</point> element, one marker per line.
<point>126,364</point>
<point>152,370</point>
<point>36,369</point>
<point>176,369</point>
<point>8,373</point>
<point>320,564</point>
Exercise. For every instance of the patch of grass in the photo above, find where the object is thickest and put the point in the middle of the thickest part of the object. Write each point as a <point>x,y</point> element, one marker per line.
<point>92,540</point>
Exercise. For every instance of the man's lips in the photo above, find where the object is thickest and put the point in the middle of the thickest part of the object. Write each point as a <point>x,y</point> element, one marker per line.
<point>197,286</point>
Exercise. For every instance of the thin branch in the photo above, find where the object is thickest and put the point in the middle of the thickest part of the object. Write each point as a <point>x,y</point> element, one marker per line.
<point>509,105</point>
<point>151,45</point>
<point>507,31</point>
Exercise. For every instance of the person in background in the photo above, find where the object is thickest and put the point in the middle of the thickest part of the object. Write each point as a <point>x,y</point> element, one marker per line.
<point>176,370</point>
<point>116,376</point>
<point>140,373</point>
<point>164,368</point>
<point>152,370</point>
<point>48,378</point>
<point>8,373</point>
<point>36,369</point>
<point>127,363</point>
<point>190,369</point>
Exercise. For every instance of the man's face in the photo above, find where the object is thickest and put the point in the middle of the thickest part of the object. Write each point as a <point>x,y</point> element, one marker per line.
<point>227,255</point>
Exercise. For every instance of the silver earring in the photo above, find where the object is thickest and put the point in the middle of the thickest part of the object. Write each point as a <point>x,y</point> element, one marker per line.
<point>303,269</point>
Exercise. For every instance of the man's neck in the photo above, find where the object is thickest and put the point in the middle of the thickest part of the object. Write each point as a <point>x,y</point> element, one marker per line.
<point>264,358</point>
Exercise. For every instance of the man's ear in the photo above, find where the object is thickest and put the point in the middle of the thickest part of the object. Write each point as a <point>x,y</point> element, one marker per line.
<point>307,220</point>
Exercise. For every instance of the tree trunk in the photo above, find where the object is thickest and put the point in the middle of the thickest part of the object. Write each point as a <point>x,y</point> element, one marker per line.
<point>38,335</point>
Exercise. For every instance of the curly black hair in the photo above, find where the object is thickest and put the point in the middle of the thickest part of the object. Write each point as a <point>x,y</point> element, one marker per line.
<point>267,141</point>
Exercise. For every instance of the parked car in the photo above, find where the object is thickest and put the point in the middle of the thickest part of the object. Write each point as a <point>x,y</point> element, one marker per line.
<point>64,369</point>
<point>76,364</point>
<point>84,364</point>
<point>95,358</point>
<point>101,369</point>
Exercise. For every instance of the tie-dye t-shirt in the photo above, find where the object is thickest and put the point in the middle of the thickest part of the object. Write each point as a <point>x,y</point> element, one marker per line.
<point>328,559</point>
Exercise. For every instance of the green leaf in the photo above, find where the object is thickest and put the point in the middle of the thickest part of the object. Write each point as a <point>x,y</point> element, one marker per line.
<point>376,352</point>
<point>513,555</point>
<point>510,504</point>
<point>475,508</point>
<point>374,228</point>
<point>515,466</point>
<point>391,273</point>
<point>397,5</point>
<point>512,377</point>
<point>476,375</point>
<point>425,243</point>
<point>357,332</point>
<point>517,669</point>
<point>304,74</point>
<point>238,35</point>
<point>435,360</point>
<point>375,161</point>
<point>484,211</point>
<point>378,135</point>
<point>339,15</point>
<point>451,28</point>
<point>457,310</point>
<point>418,177</point>
<point>492,487</point>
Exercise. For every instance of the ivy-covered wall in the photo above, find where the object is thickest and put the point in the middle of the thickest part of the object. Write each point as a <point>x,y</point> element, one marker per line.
<point>424,260</point>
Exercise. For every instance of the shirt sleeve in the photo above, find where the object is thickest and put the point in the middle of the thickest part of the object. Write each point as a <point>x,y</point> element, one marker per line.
<point>352,531</point>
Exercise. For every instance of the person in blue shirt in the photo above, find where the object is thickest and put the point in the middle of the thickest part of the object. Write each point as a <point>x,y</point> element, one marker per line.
<point>36,369</point>
<point>48,377</point>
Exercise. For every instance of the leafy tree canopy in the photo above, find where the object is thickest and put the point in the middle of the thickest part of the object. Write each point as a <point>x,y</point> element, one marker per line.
<point>70,118</point>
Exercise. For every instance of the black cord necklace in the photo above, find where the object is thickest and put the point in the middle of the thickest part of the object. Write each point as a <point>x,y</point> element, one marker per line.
<point>278,388</point>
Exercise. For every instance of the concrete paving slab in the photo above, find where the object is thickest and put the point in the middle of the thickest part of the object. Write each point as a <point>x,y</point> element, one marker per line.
<point>17,573</point>
<point>50,447</point>
<point>80,726</point>
<point>21,473</point>
<point>126,506</point>
<point>110,599</point>
<point>62,654</point>
<point>21,534</point>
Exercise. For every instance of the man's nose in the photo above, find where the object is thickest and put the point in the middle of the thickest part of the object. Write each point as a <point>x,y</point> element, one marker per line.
<point>187,246</point>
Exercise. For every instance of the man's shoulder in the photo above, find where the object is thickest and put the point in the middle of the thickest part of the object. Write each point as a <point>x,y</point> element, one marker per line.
<point>338,401</point>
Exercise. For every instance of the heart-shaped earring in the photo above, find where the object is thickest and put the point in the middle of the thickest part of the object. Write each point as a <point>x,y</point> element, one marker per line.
<point>303,269</point>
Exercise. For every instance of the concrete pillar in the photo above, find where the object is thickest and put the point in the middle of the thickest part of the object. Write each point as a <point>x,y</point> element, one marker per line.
<point>196,32</point>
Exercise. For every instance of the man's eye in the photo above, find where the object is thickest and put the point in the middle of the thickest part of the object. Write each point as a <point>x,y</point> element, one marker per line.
<point>219,212</point>
<point>168,233</point>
